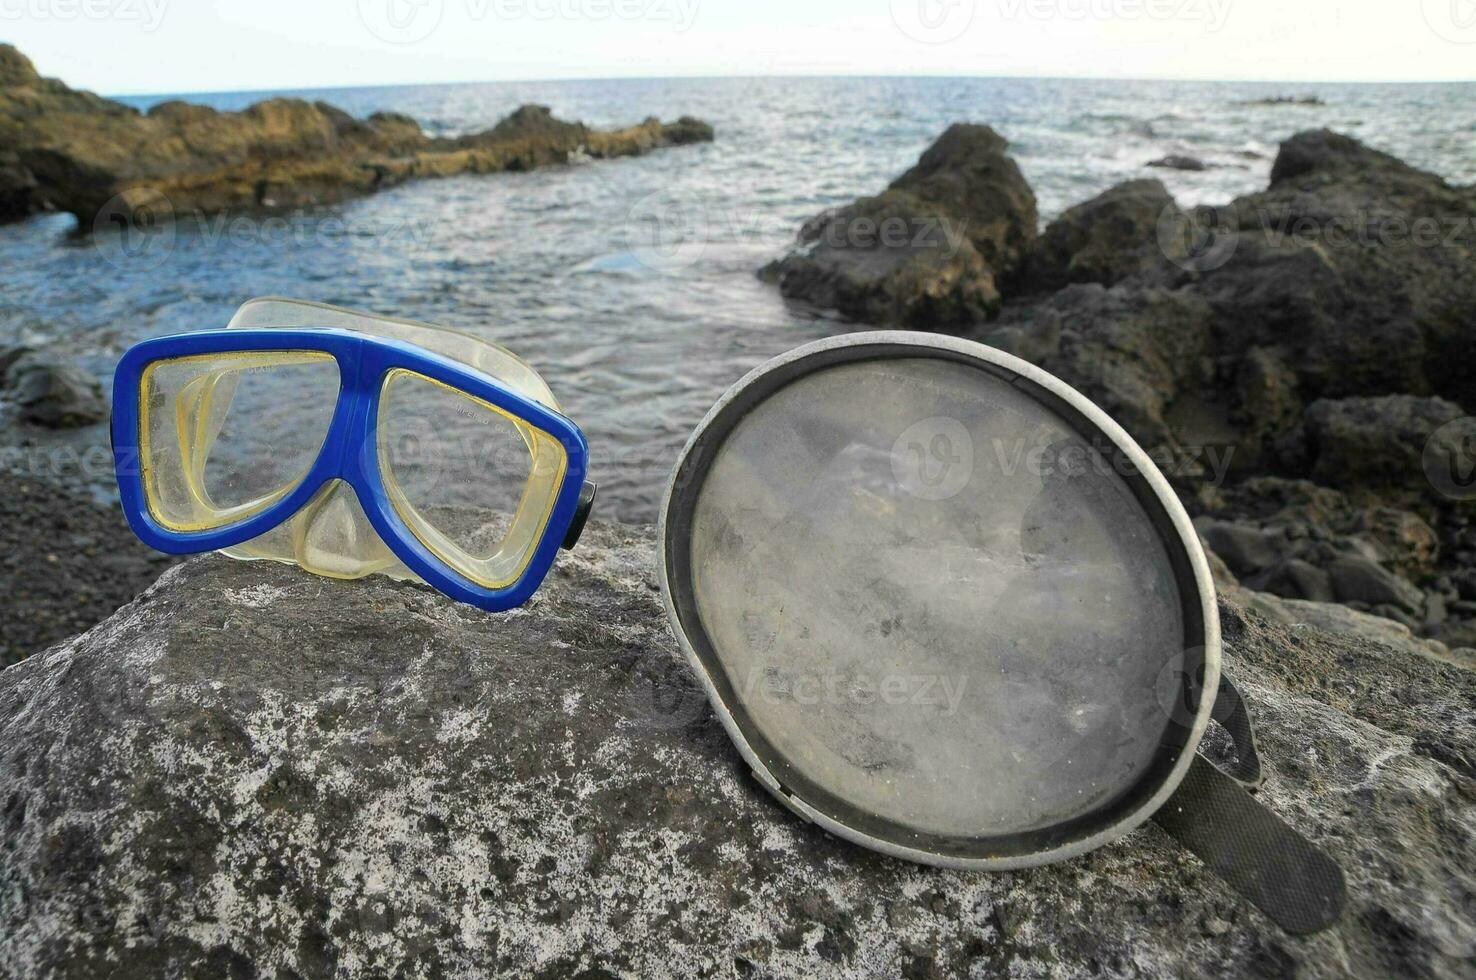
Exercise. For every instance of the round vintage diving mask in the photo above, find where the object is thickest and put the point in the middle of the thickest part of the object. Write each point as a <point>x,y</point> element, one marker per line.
<point>947,609</point>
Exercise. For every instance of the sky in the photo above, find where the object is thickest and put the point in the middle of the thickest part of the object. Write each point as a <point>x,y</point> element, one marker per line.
<point>161,46</point>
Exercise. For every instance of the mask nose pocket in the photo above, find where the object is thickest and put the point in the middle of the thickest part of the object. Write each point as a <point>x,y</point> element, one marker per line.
<point>332,535</point>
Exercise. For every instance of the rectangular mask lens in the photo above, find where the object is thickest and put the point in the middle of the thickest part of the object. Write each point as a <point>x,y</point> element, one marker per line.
<point>474,483</point>
<point>223,436</point>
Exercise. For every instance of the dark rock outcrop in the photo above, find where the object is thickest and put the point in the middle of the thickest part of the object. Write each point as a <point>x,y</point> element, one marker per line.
<point>1356,267</point>
<point>968,174</point>
<point>889,259</point>
<point>1297,100</point>
<point>73,151</point>
<point>1370,442</point>
<point>1348,277</point>
<point>1321,329</point>
<point>1131,350</point>
<point>1103,240</point>
<point>934,249</point>
<point>1178,161</point>
<point>1326,152</point>
<point>253,771</point>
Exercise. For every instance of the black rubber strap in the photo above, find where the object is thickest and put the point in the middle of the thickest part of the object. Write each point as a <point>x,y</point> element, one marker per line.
<point>1231,713</point>
<point>581,515</point>
<point>1272,866</point>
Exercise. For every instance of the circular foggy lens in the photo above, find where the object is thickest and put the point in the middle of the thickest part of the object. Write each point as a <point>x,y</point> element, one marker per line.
<point>934,594</point>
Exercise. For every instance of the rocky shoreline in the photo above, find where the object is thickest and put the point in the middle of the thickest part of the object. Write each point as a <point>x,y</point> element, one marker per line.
<point>1298,361</point>
<point>247,769</point>
<point>102,161</point>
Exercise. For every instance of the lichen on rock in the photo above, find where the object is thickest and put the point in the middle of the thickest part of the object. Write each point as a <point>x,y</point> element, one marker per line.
<point>252,770</point>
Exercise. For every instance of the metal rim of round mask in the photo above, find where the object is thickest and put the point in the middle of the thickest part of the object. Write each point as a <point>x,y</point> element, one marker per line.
<point>1196,678</point>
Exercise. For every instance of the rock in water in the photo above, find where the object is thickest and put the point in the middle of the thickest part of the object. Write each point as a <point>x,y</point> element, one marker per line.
<point>1176,161</point>
<point>251,770</point>
<point>1347,278</point>
<point>889,259</point>
<point>104,161</point>
<point>931,250</point>
<point>968,174</point>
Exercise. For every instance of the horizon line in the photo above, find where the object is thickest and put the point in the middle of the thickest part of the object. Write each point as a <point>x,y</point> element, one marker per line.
<point>797,75</point>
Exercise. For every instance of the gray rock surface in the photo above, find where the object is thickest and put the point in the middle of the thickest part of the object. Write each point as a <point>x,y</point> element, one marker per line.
<point>1350,624</point>
<point>251,770</point>
<point>50,392</point>
<point>888,259</point>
